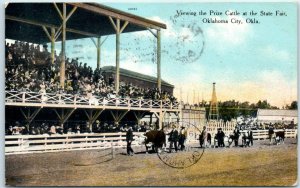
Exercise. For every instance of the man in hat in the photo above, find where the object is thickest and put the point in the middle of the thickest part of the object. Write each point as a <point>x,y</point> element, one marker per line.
<point>271,133</point>
<point>182,137</point>
<point>96,127</point>
<point>173,139</point>
<point>250,136</point>
<point>236,134</point>
<point>129,139</point>
<point>203,137</point>
<point>220,137</point>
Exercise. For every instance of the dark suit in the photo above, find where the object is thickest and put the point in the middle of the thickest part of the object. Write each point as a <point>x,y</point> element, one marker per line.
<point>220,138</point>
<point>129,139</point>
<point>173,139</point>
<point>236,134</point>
<point>250,136</point>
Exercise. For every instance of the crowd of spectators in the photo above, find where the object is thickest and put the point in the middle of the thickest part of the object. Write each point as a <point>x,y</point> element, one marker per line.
<point>28,68</point>
<point>73,128</point>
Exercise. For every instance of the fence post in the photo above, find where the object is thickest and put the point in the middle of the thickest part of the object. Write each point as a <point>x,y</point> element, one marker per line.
<point>59,99</point>
<point>45,143</point>
<point>21,143</point>
<point>112,150</point>
<point>75,98</point>
<point>23,97</point>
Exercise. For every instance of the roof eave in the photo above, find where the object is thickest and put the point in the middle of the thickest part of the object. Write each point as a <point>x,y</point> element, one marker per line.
<point>114,13</point>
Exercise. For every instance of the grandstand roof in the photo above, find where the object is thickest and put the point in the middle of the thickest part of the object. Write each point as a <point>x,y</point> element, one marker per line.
<point>271,112</point>
<point>136,75</point>
<point>24,21</point>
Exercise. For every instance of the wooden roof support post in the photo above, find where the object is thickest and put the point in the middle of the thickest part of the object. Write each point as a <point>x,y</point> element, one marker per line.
<point>158,48</point>
<point>160,116</point>
<point>30,116</point>
<point>117,77</point>
<point>118,116</point>
<point>118,30</point>
<point>92,117</point>
<point>98,45</point>
<point>63,48</point>
<point>98,52</point>
<point>139,115</point>
<point>52,45</point>
<point>158,37</point>
<point>64,17</point>
<point>64,115</point>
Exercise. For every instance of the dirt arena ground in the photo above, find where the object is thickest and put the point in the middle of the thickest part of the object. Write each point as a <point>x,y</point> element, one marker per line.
<point>261,165</point>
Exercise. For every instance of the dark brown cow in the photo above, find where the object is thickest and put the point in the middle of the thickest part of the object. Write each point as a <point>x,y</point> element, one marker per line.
<point>157,138</point>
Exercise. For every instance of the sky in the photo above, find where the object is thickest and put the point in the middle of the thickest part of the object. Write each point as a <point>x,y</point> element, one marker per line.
<point>248,62</point>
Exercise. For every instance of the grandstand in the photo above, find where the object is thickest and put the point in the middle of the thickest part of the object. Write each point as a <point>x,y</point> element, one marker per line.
<point>138,79</point>
<point>45,86</point>
<point>267,116</point>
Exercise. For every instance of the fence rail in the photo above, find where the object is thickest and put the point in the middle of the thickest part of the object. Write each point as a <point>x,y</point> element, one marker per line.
<point>257,134</point>
<point>18,144</point>
<point>16,97</point>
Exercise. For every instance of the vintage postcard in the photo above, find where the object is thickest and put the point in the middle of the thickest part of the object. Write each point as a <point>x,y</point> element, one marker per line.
<point>151,94</point>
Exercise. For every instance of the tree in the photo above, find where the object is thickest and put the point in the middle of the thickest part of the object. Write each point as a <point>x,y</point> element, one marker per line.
<point>293,106</point>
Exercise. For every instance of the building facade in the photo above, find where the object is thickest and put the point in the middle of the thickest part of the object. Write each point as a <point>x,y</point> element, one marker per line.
<point>137,79</point>
<point>267,116</point>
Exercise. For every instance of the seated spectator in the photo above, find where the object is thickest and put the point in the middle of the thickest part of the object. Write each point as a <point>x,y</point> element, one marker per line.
<point>52,130</point>
<point>9,130</point>
<point>59,130</point>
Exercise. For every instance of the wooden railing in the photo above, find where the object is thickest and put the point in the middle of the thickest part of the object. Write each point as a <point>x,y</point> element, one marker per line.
<point>16,97</point>
<point>18,144</point>
<point>257,134</point>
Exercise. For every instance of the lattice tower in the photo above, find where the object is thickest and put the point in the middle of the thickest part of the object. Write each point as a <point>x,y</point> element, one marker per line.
<point>213,110</point>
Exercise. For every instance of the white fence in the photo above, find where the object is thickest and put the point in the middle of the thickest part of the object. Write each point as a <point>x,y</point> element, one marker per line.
<point>50,99</point>
<point>257,134</point>
<point>17,144</point>
<point>228,126</point>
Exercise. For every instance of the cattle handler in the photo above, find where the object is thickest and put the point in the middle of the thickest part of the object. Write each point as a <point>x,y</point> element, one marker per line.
<point>129,139</point>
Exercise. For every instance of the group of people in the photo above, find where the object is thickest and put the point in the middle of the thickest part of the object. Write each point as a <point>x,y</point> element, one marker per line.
<point>28,68</point>
<point>76,128</point>
<point>177,138</point>
<point>44,128</point>
<point>247,137</point>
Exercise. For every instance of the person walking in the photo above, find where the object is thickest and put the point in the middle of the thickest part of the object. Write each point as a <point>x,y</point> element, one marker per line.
<point>236,134</point>
<point>129,139</point>
<point>250,136</point>
<point>182,138</point>
<point>173,139</point>
<point>220,138</point>
<point>203,137</point>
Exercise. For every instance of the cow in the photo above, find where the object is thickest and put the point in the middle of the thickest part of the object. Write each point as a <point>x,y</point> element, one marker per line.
<point>156,137</point>
<point>279,137</point>
<point>228,139</point>
<point>245,139</point>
